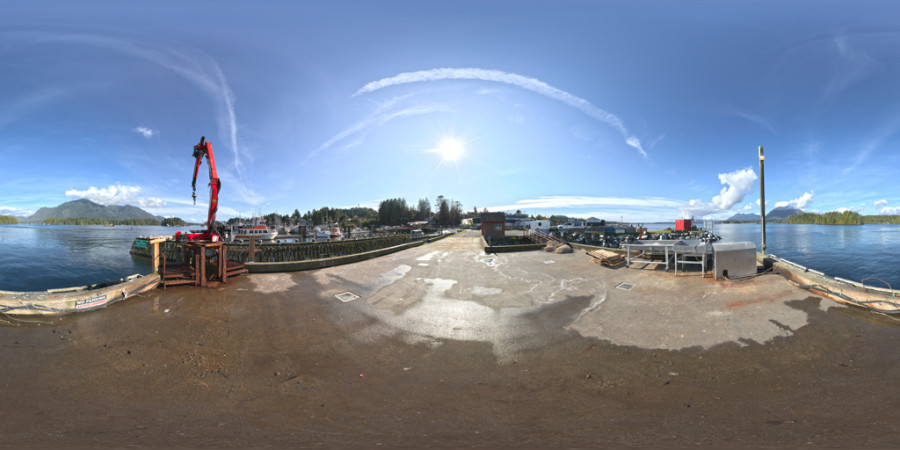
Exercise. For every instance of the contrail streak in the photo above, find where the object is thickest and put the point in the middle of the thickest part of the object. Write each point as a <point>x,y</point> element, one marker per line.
<point>194,65</point>
<point>521,81</point>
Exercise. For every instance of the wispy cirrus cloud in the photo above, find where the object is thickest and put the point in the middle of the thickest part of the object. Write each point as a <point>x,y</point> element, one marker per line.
<point>757,119</point>
<point>14,108</point>
<point>360,129</point>
<point>196,66</point>
<point>528,83</point>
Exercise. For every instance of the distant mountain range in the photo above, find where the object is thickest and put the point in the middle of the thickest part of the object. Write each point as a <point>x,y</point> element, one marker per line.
<point>85,208</point>
<point>776,214</point>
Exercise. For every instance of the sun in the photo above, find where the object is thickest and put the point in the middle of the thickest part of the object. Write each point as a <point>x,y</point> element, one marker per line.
<point>450,149</point>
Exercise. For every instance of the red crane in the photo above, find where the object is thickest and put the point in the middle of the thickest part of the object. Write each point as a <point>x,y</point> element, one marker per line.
<point>200,150</point>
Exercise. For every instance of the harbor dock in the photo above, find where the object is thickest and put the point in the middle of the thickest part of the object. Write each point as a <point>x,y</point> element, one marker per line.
<point>444,345</point>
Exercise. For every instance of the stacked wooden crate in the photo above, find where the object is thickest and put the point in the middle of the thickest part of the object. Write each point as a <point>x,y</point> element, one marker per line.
<point>607,258</point>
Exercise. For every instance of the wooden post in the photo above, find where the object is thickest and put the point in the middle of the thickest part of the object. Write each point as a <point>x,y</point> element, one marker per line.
<point>154,257</point>
<point>223,262</point>
<point>154,250</point>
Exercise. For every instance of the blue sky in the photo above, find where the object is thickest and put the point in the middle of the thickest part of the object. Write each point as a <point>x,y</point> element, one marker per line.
<point>634,110</point>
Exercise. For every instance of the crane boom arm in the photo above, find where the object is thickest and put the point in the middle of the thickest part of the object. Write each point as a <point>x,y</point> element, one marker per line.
<point>201,150</point>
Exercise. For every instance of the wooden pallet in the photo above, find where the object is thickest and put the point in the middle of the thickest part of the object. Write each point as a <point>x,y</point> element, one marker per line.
<point>234,268</point>
<point>607,258</point>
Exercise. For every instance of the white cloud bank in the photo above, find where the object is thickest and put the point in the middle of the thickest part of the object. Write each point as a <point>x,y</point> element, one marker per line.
<point>10,211</point>
<point>117,195</point>
<point>737,185</point>
<point>513,79</point>
<point>881,203</point>
<point>558,202</point>
<point>799,203</point>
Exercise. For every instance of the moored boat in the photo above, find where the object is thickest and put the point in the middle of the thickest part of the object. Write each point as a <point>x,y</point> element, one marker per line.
<point>75,299</point>
<point>336,233</point>
<point>256,231</point>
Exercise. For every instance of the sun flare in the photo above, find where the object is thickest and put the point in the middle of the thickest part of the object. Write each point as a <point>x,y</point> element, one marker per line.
<point>450,149</point>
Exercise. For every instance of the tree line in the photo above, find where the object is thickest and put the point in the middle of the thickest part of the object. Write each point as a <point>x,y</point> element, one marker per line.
<point>356,216</point>
<point>96,221</point>
<point>842,218</point>
<point>395,211</point>
<point>390,212</point>
<point>173,222</point>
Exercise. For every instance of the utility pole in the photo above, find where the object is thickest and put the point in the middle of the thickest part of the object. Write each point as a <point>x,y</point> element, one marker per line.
<point>762,198</point>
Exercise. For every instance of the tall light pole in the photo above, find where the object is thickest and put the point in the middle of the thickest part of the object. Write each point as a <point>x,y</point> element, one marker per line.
<point>762,198</point>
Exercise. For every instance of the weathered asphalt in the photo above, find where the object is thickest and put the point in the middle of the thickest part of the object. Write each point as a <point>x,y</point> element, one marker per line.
<point>444,346</point>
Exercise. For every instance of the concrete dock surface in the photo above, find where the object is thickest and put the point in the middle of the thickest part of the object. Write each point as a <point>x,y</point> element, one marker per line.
<point>445,346</point>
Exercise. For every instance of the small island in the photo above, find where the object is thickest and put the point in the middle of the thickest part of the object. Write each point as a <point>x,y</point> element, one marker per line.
<point>829,218</point>
<point>842,218</point>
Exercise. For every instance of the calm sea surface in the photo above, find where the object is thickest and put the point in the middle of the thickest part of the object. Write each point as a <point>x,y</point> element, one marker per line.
<point>38,257</point>
<point>853,252</point>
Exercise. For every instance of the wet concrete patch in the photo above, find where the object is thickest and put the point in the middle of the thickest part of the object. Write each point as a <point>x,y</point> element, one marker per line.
<point>270,283</point>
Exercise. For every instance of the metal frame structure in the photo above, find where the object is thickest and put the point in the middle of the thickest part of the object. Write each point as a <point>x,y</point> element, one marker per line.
<point>674,252</point>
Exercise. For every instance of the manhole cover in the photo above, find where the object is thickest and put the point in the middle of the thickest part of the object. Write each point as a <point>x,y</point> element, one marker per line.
<point>625,286</point>
<point>347,297</point>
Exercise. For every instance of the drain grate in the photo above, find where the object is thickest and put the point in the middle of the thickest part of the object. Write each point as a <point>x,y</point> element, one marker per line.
<point>347,297</point>
<point>625,286</point>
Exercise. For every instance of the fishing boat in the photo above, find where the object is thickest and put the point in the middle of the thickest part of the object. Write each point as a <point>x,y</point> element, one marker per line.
<point>322,234</point>
<point>75,299</point>
<point>336,233</point>
<point>256,231</point>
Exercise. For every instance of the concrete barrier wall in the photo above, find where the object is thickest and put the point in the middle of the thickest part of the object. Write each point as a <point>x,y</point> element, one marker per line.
<point>335,252</point>
<point>293,266</point>
<point>285,252</point>
<point>512,248</point>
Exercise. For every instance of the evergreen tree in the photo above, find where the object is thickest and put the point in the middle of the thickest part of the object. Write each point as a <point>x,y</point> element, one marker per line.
<point>443,212</point>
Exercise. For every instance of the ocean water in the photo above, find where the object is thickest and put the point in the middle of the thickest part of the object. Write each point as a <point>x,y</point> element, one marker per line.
<point>853,252</point>
<point>38,257</point>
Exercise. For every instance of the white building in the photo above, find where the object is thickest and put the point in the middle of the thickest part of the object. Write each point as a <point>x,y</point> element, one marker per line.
<point>542,225</point>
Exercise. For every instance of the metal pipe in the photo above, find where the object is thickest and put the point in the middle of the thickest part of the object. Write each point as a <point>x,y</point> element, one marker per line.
<point>762,197</point>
